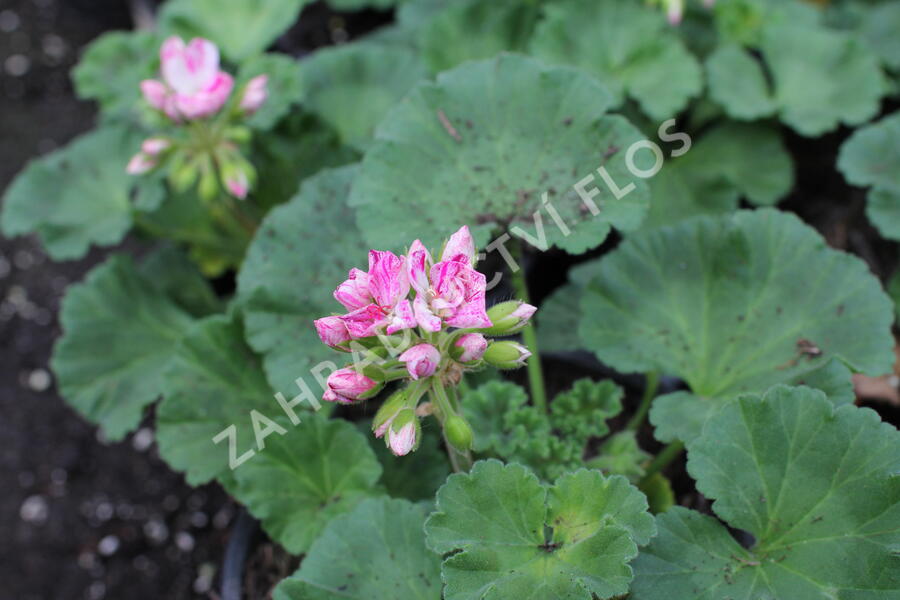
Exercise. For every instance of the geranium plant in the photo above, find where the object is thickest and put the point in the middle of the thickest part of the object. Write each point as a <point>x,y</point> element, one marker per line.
<point>585,189</point>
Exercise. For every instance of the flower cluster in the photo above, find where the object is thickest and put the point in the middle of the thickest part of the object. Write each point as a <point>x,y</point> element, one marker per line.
<point>193,91</point>
<point>423,321</point>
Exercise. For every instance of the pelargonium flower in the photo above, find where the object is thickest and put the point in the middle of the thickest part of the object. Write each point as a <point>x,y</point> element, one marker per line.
<point>450,291</point>
<point>193,86</point>
<point>440,308</point>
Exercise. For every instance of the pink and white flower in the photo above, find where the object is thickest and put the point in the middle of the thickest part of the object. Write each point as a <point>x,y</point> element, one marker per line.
<point>346,386</point>
<point>473,346</point>
<point>421,360</point>
<point>238,185</point>
<point>451,291</point>
<point>193,86</point>
<point>354,293</point>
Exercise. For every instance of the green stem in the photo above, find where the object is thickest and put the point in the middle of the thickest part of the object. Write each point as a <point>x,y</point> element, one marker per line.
<point>529,336</point>
<point>651,383</point>
<point>662,460</point>
<point>461,461</point>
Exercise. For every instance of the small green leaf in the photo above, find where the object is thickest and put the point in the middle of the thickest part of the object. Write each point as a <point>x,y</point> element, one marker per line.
<point>735,304</point>
<point>484,28</point>
<point>376,552</point>
<point>871,156</point>
<point>246,28</point>
<point>302,251</point>
<point>582,412</point>
<point>486,408</point>
<point>495,517</point>
<point>738,83</point>
<point>112,67</point>
<point>815,486</point>
<point>283,85</point>
<point>879,28</point>
<point>476,145</point>
<point>335,79</point>
<point>627,46</point>
<point>750,157</point>
<point>119,331</point>
<point>76,196</point>
<point>213,382</point>
<point>302,479</point>
<point>621,455</point>
<point>883,211</point>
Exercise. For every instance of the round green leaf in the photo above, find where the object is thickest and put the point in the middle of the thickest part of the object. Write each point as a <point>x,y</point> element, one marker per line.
<point>242,29</point>
<point>112,67</point>
<point>473,29</point>
<point>883,210</point>
<point>483,144</point>
<point>822,78</point>
<point>119,331</point>
<point>302,251</point>
<point>738,83</point>
<point>376,552</point>
<point>815,486</point>
<point>629,47</point>
<point>495,518</point>
<point>76,196</point>
<point>879,28</point>
<point>305,477</point>
<point>871,156</point>
<point>582,411</point>
<point>352,87</point>
<point>213,383</point>
<point>735,304</point>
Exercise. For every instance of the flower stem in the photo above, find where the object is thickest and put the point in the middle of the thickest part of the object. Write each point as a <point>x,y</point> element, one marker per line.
<point>662,460</point>
<point>529,336</point>
<point>651,383</point>
<point>461,461</point>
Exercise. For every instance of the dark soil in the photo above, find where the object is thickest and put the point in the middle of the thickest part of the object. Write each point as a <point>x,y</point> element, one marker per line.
<point>80,518</point>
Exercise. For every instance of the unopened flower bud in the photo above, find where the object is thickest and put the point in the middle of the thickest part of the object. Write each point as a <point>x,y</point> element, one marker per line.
<point>332,331</point>
<point>509,317</point>
<point>140,163</point>
<point>469,347</point>
<point>255,94</point>
<point>404,432</point>
<point>458,432</point>
<point>155,146</point>
<point>346,386</point>
<point>506,355</point>
<point>421,360</point>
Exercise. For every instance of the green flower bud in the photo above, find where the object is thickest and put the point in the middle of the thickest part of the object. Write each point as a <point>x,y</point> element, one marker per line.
<point>209,186</point>
<point>506,355</point>
<point>238,134</point>
<point>508,317</point>
<point>183,173</point>
<point>458,432</point>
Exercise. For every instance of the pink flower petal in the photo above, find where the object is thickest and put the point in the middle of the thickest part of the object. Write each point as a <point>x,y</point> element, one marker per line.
<point>460,247</point>
<point>402,317</point>
<point>427,320</point>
